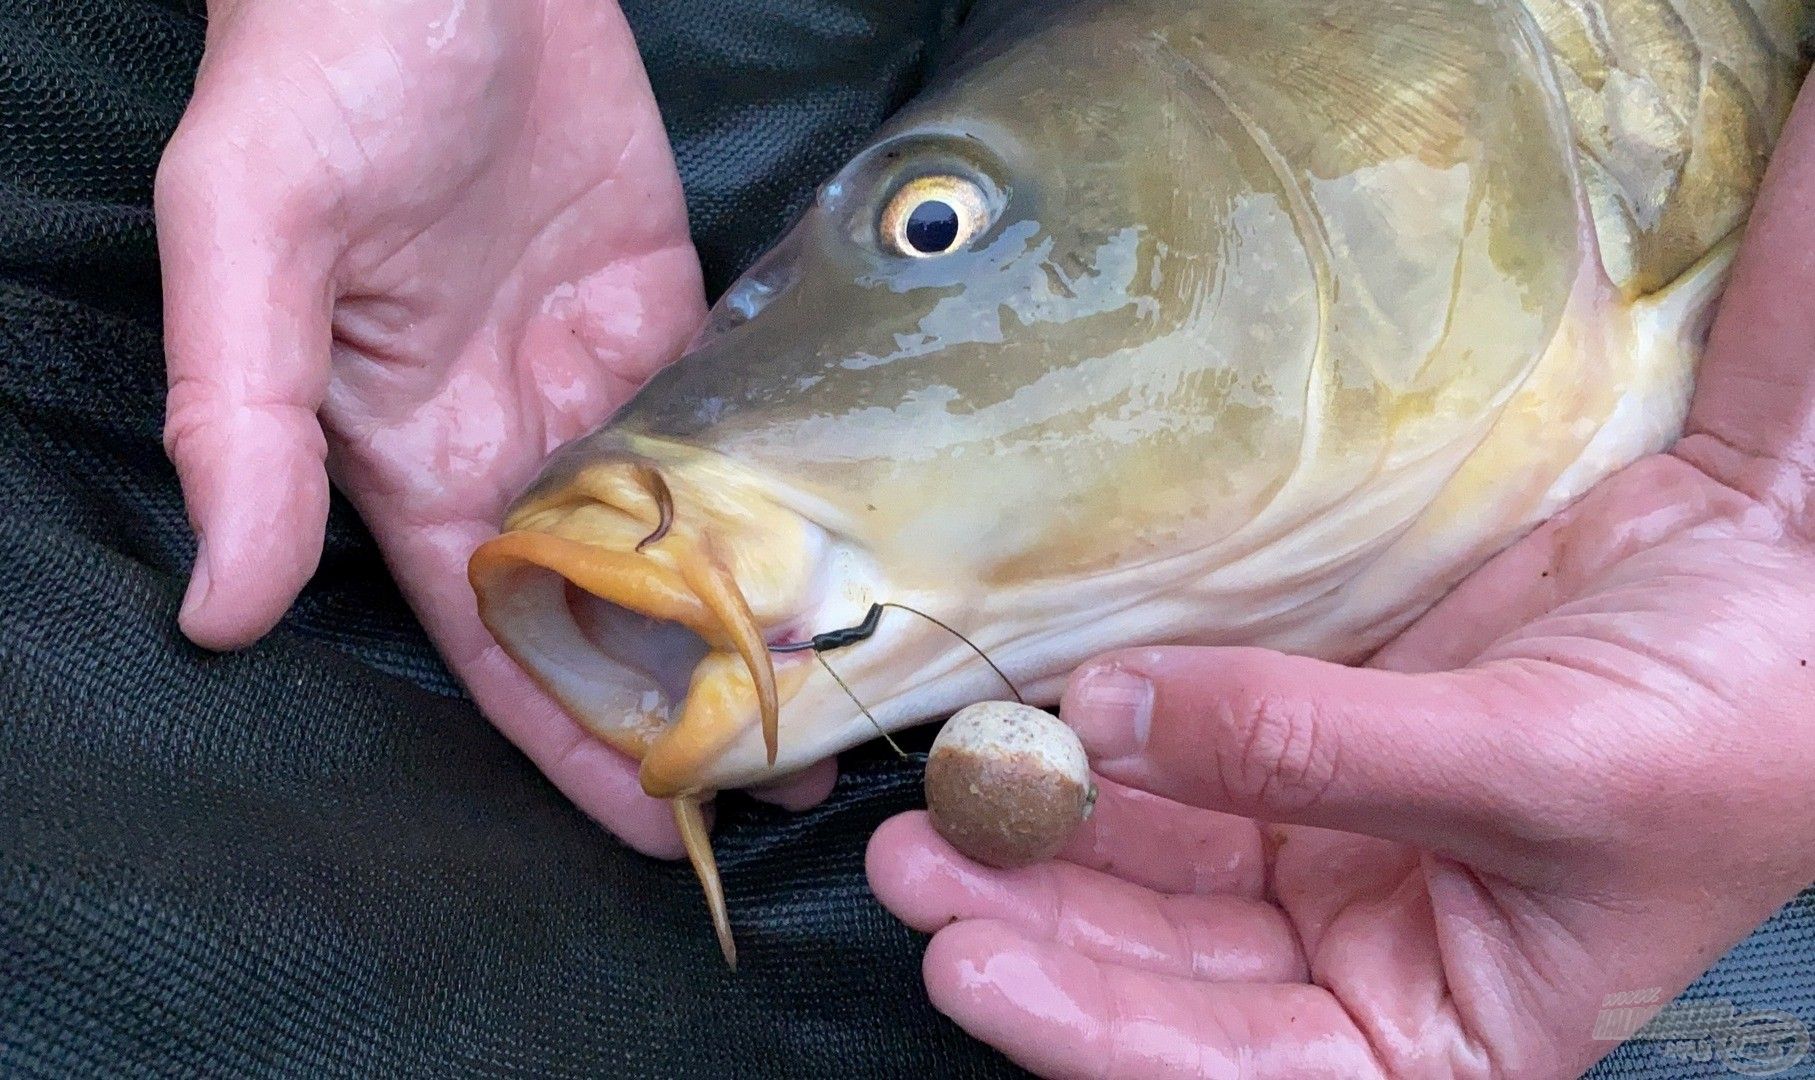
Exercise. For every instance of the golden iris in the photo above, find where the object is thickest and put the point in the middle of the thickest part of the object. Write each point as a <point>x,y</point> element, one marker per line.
<point>933,215</point>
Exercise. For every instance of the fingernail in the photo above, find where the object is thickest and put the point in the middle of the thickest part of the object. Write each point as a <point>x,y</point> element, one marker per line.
<point>199,581</point>
<point>1111,709</point>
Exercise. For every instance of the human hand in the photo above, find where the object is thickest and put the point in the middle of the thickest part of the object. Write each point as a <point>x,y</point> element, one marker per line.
<point>1586,771</point>
<point>423,242</point>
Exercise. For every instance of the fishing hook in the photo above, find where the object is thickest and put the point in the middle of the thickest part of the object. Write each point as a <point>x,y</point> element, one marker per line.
<point>863,631</point>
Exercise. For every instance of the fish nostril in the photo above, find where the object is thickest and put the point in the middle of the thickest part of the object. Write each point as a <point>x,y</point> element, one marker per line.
<point>733,310</point>
<point>749,298</point>
<point>749,295</point>
<point>743,302</point>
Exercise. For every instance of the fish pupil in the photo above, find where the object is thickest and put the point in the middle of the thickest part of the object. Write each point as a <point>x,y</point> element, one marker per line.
<point>932,227</point>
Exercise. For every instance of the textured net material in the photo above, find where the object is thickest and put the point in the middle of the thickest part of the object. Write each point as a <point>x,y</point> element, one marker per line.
<point>314,858</point>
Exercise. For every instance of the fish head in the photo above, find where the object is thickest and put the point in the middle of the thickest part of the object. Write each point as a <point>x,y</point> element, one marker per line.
<point>895,405</point>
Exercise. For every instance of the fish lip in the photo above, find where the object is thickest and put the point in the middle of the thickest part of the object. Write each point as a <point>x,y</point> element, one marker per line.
<point>521,580</point>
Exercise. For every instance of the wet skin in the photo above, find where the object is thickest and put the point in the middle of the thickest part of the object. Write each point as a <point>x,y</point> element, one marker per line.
<point>251,372</point>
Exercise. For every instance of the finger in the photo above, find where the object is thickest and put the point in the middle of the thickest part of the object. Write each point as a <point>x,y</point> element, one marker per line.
<point>928,885</point>
<point>246,327</point>
<point>430,566</point>
<point>1060,1013</point>
<point>805,789</point>
<point>1449,761</point>
<point>596,778</point>
<point>1168,846</point>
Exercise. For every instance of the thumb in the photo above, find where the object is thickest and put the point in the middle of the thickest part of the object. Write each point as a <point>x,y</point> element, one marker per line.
<point>246,329</point>
<point>1461,762</point>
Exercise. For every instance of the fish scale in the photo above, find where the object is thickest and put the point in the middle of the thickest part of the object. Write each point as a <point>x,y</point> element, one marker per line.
<point>1676,107</point>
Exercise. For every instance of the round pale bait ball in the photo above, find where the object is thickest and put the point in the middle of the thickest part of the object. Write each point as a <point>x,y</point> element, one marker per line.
<point>1007,784</point>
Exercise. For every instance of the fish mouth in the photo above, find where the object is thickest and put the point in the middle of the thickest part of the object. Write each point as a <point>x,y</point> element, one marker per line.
<point>673,603</point>
<point>648,615</point>
<point>641,607</point>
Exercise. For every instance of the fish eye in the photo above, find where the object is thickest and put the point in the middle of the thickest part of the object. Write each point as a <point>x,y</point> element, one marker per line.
<point>934,215</point>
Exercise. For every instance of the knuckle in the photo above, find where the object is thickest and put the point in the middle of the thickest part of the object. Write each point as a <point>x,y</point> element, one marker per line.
<point>187,408</point>
<point>201,423</point>
<point>218,160</point>
<point>182,169</point>
<point>1276,753</point>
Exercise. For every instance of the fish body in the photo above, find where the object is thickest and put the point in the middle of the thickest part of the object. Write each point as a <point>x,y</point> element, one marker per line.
<point>1259,324</point>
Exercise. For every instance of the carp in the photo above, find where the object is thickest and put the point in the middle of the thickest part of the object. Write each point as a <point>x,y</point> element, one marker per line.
<point>1148,321</point>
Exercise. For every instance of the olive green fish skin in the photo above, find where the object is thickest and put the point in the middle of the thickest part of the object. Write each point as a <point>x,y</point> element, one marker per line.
<point>1178,252</point>
<point>1289,314</point>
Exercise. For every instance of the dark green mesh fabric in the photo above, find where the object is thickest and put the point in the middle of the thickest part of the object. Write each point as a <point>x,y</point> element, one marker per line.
<point>315,859</point>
